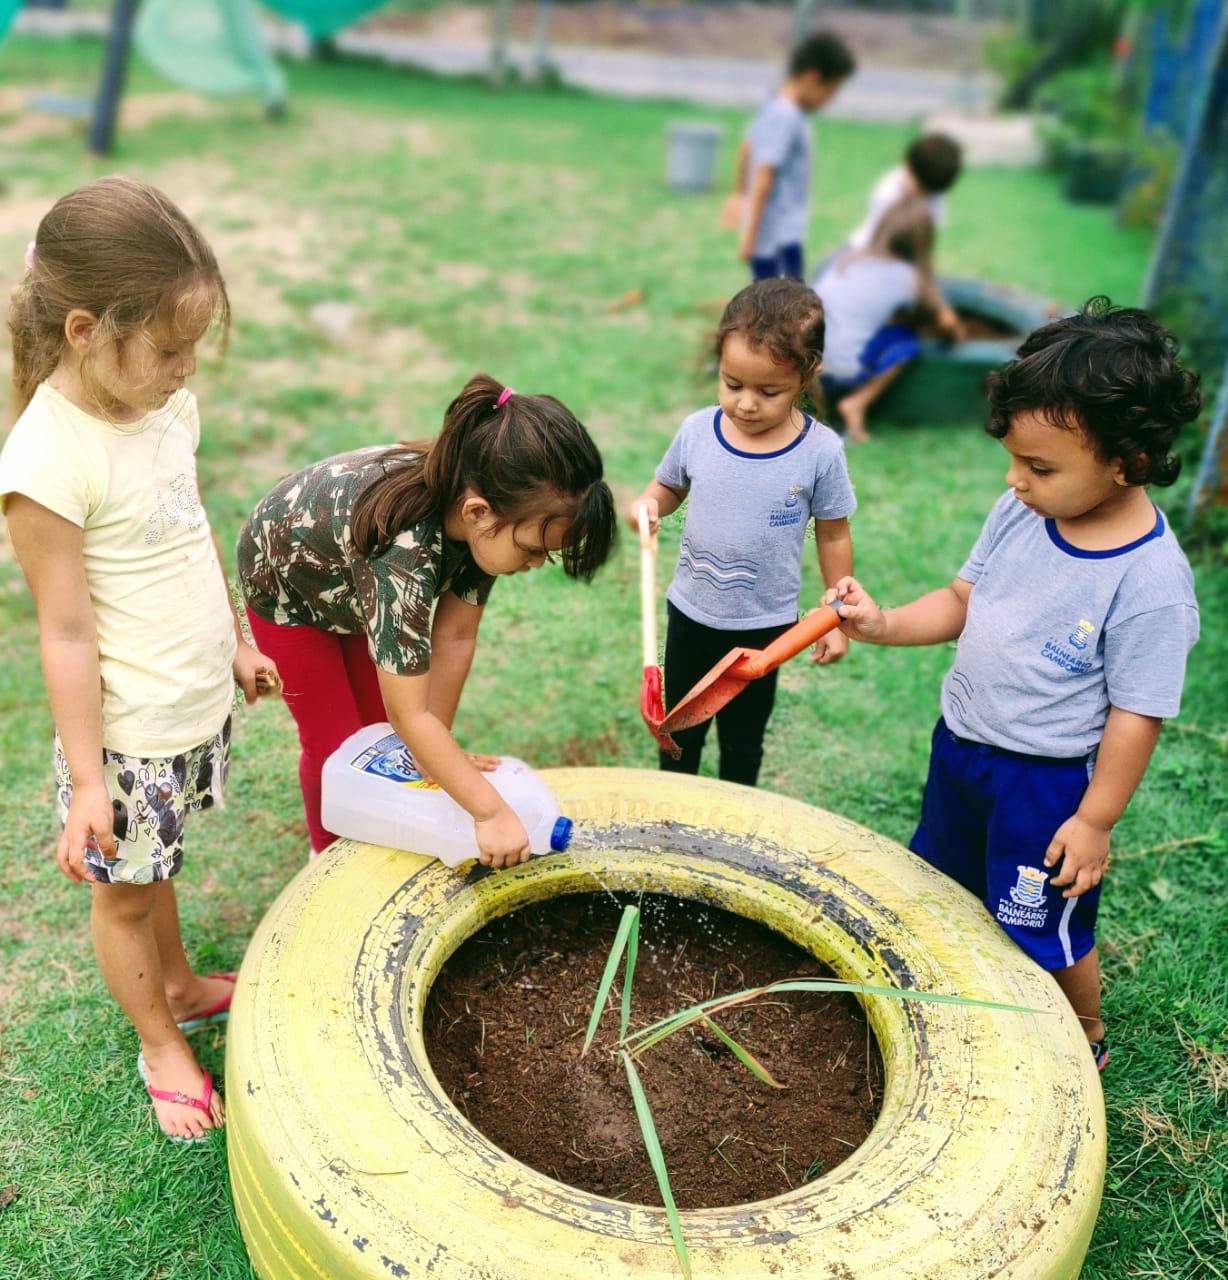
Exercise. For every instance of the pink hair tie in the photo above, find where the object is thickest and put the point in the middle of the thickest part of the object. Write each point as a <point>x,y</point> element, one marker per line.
<point>504,396</point>
<point>30,255</point>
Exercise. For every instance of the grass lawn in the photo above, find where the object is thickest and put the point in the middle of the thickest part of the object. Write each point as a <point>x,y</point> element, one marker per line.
<point>478,231</point>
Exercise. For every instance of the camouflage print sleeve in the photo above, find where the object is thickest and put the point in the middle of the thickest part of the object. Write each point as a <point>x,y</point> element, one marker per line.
<point>462,577</point>
<point>299,566</point>
<point>478,594</point>
<point>395,592</point>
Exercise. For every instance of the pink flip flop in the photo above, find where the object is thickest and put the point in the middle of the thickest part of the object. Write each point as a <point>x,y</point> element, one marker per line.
<point>168,1095</point>
<point>215,1013</point>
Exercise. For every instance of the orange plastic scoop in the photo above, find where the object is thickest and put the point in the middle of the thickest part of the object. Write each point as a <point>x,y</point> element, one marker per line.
<point>740,666</point>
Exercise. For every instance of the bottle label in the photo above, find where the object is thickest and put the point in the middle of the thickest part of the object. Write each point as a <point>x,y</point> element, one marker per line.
<point>389,758</point>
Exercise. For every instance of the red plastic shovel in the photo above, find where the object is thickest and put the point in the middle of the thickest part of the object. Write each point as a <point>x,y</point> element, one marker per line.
<point>740,666</point>
<point>652,708</point>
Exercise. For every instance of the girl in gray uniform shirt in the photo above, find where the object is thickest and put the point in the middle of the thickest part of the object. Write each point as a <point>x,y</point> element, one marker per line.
<point>757,469</point>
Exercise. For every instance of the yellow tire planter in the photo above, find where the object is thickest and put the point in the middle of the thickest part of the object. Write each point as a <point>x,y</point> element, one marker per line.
<point>347,1162</point>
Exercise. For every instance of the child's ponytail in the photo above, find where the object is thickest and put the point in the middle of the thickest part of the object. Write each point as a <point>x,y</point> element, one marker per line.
<point>452,455</point>
<point>591,535</point>
<point>422,478</point>
<point>36,344</point>
<point>529,457</point>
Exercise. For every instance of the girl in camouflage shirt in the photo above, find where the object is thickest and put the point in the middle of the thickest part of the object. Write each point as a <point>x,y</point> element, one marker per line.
<point>342,562</point>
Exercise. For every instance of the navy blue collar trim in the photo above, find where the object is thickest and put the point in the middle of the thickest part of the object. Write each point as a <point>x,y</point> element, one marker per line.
<point>756,457</point>
<point>1157,530</point>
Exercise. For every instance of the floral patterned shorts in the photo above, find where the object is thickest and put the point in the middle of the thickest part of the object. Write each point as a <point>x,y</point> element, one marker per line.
<point>151,799</point>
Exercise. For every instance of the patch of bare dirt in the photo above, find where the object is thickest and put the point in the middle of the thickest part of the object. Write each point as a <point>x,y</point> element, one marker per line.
<point>22,119</point>
<point>740,30</point>
<point>140,109</point>
<point>368,134</point>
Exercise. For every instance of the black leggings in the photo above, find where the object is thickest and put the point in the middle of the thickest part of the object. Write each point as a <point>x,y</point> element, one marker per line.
<point>691,651</point>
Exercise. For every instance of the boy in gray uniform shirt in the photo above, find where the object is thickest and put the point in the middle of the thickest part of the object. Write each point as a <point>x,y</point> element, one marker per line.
<point>1074,614</point>
<point>771,195</point>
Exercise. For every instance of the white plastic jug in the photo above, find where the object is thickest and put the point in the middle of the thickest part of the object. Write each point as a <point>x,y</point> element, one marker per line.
<point>373,791</point>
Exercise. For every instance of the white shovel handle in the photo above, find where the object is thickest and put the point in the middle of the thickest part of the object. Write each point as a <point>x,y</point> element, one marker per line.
<point>648,573</point>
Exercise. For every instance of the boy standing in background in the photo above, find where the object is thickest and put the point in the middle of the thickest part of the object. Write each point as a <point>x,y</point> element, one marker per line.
<point>771,195</point>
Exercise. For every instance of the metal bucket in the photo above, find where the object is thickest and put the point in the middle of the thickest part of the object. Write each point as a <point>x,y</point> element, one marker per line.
<point>690,154</point>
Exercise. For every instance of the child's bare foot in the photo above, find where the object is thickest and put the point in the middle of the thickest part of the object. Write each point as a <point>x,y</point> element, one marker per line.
<point>853,414</point>
<point>1094,1030</point>
<point>205,995</point>
<point>184,1101</point>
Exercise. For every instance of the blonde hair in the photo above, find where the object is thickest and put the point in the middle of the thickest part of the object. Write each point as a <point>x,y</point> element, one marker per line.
<point>119,249</point>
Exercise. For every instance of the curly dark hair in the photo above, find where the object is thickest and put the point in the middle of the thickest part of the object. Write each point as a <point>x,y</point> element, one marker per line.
<point>782,317</point>
<point>1112,373</point>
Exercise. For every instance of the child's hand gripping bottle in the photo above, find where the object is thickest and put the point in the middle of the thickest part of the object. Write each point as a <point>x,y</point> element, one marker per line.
<point>373,791</point>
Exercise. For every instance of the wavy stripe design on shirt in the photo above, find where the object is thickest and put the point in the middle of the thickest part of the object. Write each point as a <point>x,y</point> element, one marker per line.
<point>725,575</point>
<point>956,674</point>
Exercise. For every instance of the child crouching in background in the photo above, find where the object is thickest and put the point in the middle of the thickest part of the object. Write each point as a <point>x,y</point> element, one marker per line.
<point>863,293</point>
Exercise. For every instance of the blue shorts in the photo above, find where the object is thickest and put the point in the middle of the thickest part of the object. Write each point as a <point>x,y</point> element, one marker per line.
<point>891,345</point>
<point>987,818</point>
<point>785,261</point>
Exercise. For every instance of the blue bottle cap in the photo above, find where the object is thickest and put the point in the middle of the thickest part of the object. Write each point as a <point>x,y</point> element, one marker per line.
<point>560,837</point>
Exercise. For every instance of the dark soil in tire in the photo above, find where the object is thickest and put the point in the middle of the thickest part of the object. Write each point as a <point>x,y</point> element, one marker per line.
<point>976,326</point>
<point>505,1023</point>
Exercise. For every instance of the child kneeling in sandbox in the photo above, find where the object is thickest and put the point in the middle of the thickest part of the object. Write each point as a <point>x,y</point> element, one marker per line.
<point>1074,614</point>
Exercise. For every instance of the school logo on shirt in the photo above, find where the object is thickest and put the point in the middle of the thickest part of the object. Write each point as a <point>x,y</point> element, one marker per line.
<point>790,512</point>
<point>1079,637</point>
<point>1071,654</point>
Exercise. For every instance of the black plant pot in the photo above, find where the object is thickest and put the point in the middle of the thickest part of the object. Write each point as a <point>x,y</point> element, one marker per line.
<point>1095,172</point>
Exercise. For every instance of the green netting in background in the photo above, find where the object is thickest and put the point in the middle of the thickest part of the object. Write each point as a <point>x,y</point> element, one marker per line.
<point>322,17</point>
<point>214,47</point>
<point>319,17</point>
<point>8,11</point>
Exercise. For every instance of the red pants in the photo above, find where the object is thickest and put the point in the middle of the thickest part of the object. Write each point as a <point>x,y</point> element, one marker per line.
<point>331,686</point>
